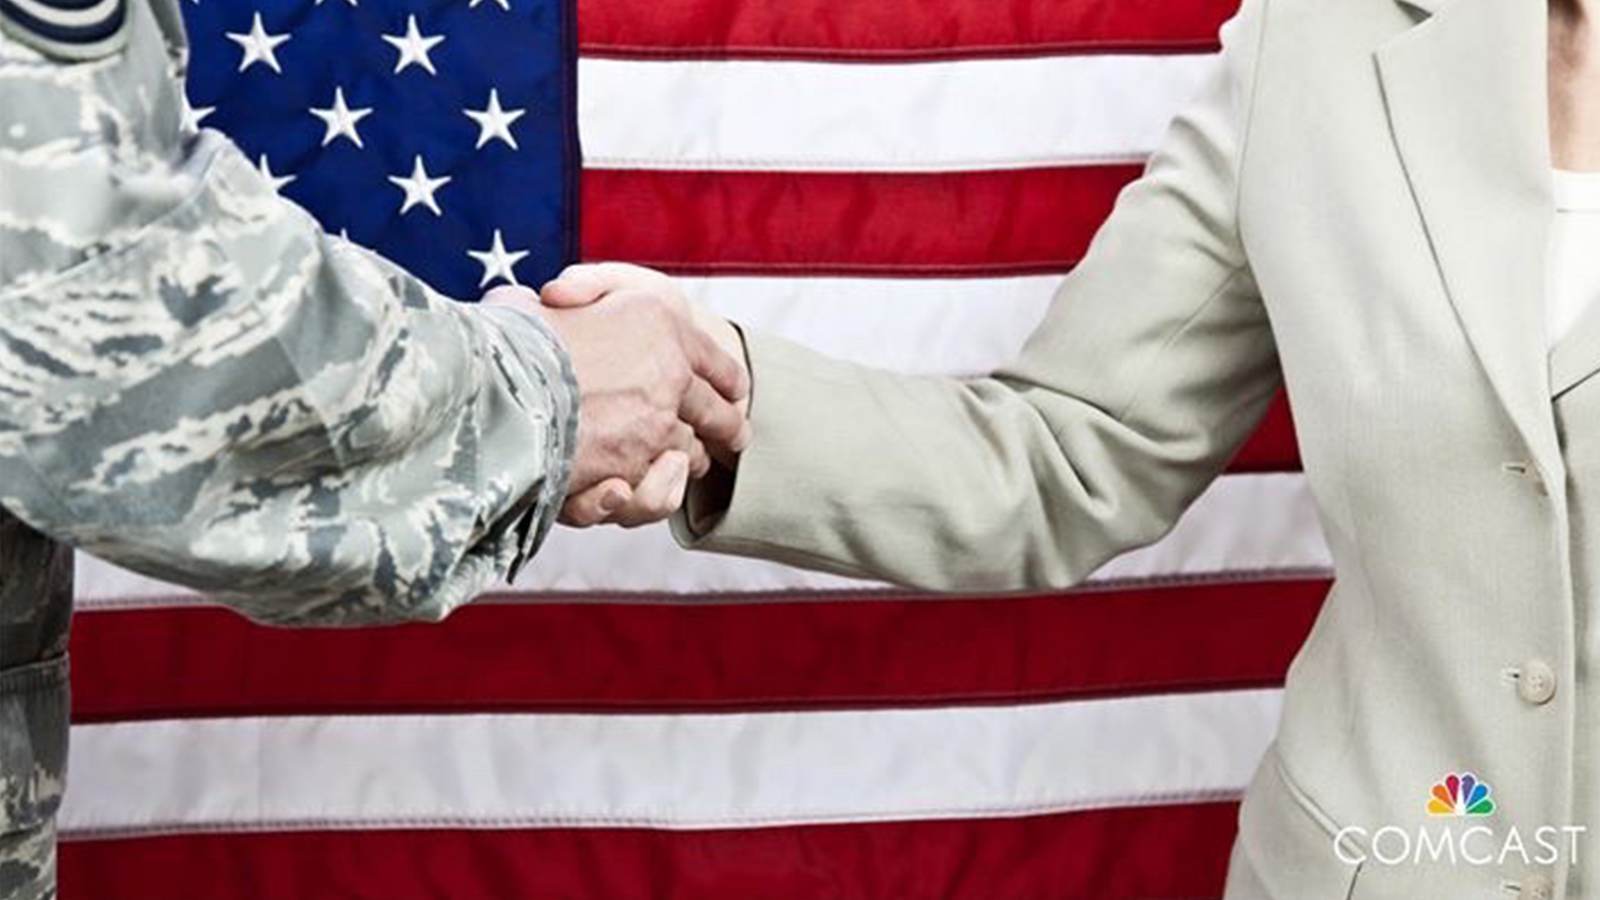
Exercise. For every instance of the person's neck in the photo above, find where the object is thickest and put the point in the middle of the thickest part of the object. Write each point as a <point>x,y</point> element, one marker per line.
<point>1574,76</point>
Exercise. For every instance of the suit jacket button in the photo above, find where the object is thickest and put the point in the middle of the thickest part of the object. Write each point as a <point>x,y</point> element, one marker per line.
<point>1537,683</point>
<point>1536,887</point>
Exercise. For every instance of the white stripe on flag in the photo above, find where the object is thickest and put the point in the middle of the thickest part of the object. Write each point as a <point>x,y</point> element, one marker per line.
<point>1248,525</point>
<point>972,114</point>
<point>663,771</point>
<point>935,326</point>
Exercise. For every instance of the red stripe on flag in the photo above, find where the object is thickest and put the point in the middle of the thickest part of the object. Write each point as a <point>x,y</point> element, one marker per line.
<point>1272,448</point>
<point>840,653</point>
<point>1006,222</point>
<point>893,30</point>
<point>1177,851</point>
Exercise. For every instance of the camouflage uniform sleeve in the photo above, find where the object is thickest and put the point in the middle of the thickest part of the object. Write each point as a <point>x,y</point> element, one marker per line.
<point>216,393</point>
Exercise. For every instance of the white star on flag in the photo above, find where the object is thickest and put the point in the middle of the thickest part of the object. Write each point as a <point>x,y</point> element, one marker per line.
<point>414,47</point>
<point>341,119</point>
<point>494,122</point>
<point>259,46</point>
<point>194,115</point>
<point>503,4</point>
<point>419,188</point>
<point>497,262</point>
<point>277,181</point>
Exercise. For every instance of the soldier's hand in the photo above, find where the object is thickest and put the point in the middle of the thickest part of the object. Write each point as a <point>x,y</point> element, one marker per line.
<point>615,500</point>
<point>653,389</point>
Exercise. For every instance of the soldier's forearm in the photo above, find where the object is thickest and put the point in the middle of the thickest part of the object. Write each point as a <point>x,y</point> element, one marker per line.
<point>293,426</point>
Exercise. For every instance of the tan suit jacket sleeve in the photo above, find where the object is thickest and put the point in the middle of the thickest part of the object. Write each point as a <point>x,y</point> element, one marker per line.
<point>1153,365</point>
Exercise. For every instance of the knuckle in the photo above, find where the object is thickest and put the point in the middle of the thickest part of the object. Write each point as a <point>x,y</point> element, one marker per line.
<point>663,428</point>
<point>675,380</point>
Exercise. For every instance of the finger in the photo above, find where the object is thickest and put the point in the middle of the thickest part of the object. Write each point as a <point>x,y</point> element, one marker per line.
<point>687,442</point>
<point>581,284</point>
<point>717,422</point>
<point>659,494</point>
<point>708,360</point>
<point>596,504</point>
<point>728,454</point>
<point>699,460</point>
<point>576,286</point>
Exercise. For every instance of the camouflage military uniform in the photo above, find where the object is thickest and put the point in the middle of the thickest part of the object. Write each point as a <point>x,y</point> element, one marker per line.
<point>197,383</point>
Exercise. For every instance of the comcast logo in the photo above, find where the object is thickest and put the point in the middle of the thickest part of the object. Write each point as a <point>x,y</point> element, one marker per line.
<point>1460,795</point>
<point>1459,831</point>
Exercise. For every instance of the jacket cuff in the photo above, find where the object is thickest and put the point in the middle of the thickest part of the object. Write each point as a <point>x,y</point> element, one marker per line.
<point>551,375</point>
<point>749,512</point>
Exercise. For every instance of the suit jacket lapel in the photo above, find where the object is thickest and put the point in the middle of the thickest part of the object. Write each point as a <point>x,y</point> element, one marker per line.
<point>1468,108</point>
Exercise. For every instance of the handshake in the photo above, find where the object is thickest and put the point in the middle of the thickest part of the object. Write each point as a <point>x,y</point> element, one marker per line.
<point>663,389</point>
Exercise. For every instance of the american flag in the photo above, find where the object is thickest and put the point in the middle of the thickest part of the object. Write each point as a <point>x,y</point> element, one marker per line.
<point>897,182</point>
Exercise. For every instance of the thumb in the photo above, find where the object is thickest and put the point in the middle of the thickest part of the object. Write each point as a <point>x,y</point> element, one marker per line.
<point>596,504</point>
<point>576,286</point>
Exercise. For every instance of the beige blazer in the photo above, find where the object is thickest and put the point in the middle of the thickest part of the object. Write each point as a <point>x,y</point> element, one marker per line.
<point>1356,206</point>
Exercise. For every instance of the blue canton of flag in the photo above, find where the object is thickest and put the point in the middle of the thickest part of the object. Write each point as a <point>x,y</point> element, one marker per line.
<point>441,133</point>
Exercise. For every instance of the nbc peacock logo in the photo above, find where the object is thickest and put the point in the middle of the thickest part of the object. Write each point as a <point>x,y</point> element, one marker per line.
<point>1460,795</point>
